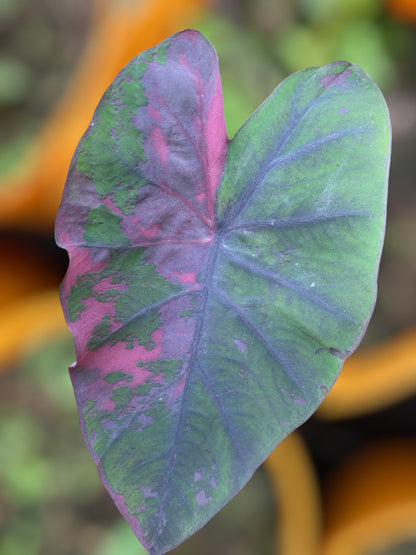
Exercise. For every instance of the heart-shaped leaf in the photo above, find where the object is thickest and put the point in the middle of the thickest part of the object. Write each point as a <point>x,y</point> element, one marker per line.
<point>214,288</point>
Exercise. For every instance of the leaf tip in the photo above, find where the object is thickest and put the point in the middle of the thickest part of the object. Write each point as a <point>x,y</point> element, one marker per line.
<point>342,71</point>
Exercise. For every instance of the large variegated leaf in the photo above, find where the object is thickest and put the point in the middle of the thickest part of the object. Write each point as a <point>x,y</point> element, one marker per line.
<point>215,287</point>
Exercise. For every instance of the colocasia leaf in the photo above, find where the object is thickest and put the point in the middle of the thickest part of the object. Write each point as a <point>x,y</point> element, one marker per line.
<point>215,287</point>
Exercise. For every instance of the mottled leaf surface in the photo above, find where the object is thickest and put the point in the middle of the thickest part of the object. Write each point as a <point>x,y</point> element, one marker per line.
<point>215,287</point>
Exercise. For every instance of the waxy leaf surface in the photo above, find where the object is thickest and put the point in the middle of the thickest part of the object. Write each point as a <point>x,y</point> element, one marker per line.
<point>215,287</point>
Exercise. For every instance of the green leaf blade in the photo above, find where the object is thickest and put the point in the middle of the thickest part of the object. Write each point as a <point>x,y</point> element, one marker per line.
<point>212,305</point>
<point>311,208</point>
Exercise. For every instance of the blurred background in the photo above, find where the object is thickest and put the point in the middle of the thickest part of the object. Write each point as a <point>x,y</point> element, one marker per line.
<point>345,482</point>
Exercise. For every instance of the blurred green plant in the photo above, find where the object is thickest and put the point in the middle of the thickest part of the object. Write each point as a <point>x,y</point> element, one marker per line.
<point>330,30</point>
<point>42,480</point>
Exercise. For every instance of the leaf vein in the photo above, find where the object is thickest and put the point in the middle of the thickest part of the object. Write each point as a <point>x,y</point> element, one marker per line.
<point>255,268</point>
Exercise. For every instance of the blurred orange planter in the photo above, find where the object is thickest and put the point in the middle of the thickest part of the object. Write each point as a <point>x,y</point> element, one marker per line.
<point>120,30</point>
<point>404,10</point>
<point>374,378</point>
<point>27,323</point>
<point>371,501</point>
<point>295,489</point>
<point>29,301</point>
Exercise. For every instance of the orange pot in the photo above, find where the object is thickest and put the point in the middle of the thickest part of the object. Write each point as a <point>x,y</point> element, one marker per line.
<point>405,10</point>
<point>370,503</point>
<point>297,499</point>
<point>374,378</point>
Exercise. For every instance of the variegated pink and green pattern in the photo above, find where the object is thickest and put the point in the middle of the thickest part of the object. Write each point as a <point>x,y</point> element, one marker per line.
<point>215,286</point>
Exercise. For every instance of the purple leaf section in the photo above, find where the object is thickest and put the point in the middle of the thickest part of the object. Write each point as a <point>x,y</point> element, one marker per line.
<point>132,293</point>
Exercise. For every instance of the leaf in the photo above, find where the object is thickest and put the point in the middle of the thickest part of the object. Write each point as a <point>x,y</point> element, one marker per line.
<point>213,300</point>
